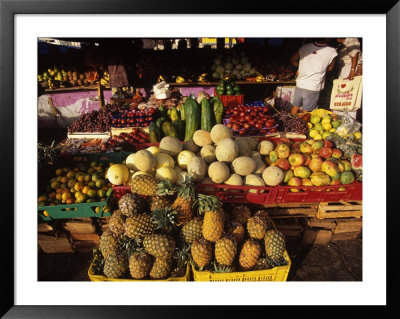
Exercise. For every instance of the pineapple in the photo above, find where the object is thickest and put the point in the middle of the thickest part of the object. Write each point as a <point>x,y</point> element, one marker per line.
<point>181,257</point>
<point>192,230</point>
<point>145,185</point>
<point>108,243</point>
<point>225,251</point>
<point>116,265</point>
<point>236,229</point>
<point>256,226</point>
<point>116,223</point>
<point>163,198</point>
<point>139,226</point>
<point>164,219</point>
<point>140,264</point>
<point>241,213</point>
<point>159,245</point>
<point>213,223</point>
<point>97,261</point>
<point>132,204</point>
<point>184,201</point>
<point>262,264</point>
<point>274,244</point>
<point>264,215</point>
<point>161,268</point>
<point>201,251</point>
<point>249,254</point>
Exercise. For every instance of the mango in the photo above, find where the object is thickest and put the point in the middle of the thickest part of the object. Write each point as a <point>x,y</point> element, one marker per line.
<point>296,159</point>
<point>288,175</point>
<point>306,148</point>
<point>317,145</point>
<point>315,164</point>
<point>307,159</point>
<point>302,172</point>
<point>273,156</point>
<point>282,163</point>
<point>282,150</point>
<point>336,153</point>
<point>320,179</point>
<point>306,182</point>
<point>347,177</point>
<point>294,181</point>
<point>346,164</point>
<point>330,168</point>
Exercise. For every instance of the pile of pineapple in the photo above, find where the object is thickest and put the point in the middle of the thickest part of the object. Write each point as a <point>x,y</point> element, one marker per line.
<point>159,228</point>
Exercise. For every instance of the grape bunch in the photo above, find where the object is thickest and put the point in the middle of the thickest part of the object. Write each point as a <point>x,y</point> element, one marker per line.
<point>95,121</point>
<point>291,123</point>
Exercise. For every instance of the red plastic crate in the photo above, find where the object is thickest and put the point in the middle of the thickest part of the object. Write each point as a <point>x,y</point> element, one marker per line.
<point>239,194</point>
<point>311,194</point>
<point>230,100</point>
<point>119,191</point>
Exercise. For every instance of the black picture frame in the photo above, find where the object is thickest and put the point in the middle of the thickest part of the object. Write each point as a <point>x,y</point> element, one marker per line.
<point>8,10</point>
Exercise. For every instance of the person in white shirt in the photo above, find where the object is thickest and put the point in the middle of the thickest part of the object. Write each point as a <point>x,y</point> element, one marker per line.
<point>313,60</point>
<point>348,56</point>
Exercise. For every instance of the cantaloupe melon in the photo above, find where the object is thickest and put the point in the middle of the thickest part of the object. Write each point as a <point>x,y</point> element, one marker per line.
<point>244,146</point>
<point>207,153</point>
<point>184,157</point>
<point>170,145</point>
<point>227,150</point>
<point>166,173</point>
<point>256,155</point>
<point>180,173</point>
<point>218,172</point>
<point>190,145</point>
<point>220,132</point>
<point>164,160</point>
<point>264,147</point>
<point>252,141</point>
<point>197,168</point>
<point>260,167</point>
<point>244,165</point>
<point>153,149</point>
<point>254,180</point>
<point>273,176</point>
<point>202,138</point>
<point>144,160</point>
<point>130,163</point>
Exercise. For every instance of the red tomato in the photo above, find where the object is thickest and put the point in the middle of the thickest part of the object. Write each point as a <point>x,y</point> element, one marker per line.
<point>246,126</point>
<point>242,132</point>
<point>235,127</point>
<point>248,117</point>
<point>258,126</point>
<point>242,114</point>
<point>270,123</point>
<point>229,125</point>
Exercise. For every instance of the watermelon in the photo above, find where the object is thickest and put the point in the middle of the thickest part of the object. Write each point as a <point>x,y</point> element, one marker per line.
<point>356,162</point>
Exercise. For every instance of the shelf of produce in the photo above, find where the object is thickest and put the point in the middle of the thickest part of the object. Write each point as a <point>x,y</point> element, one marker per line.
<point>75,88</point>
<point>89,135</point>
<point>237,82</point>
<point>119,130</point>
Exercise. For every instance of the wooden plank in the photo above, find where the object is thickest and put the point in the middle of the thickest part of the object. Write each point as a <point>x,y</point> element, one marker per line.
<point>79,227</point>
<point>348,226</point>
<point>53,244</point>
<point>82,236</point>
<point>323,237</point>
<point>290,232</point>
<point>337,210</point>
<point>345,236</point>
<point>321,223</point>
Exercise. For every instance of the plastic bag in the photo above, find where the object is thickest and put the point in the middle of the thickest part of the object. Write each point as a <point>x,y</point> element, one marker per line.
<point>349,125</point>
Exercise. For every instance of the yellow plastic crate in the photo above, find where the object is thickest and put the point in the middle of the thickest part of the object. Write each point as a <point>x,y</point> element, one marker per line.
<point>279,273</point>
<point>94,277</point>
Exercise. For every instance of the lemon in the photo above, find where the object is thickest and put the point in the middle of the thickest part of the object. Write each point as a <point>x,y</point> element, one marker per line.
<point>313,133</point>
<point>78,186</point>
<point>317,137</point>
<point>101,193</point>
<point>327,126</point>
<point>97,209</point>
<point>46,213</point>
<point>315,119</point>
<point>91,193</point>
<point>59,196</point>
<point>309,125</point>
<point>85,190</point>
<point>95,177</point>
<point>78,194</point>
<point>106,209</point>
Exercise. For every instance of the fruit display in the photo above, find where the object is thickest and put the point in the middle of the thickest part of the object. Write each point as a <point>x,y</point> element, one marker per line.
<point>61,77</point>
<point>143,240</point>
<point>235,64</point>
<point>83,146</point>
<point>320,127</point>
<point>126,141</point>
<point>96,121</point>
<point>291,123</point>
<point>84,183</point>
<point>133,118</point>
<point>250,119</point>
<point>227,87</point>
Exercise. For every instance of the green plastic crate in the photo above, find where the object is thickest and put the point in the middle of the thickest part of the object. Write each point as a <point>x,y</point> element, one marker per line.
<point>82,210</point>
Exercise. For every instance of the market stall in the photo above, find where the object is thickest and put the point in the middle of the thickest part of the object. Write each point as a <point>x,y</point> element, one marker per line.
<point>193,180</point>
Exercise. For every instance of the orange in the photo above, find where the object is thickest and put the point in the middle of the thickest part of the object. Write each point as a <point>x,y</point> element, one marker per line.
<point>87,178</point>
<point>70,201</point>
<point>63,185</point>
<point>59,178</point>
<point>52,195</point>
<point>91,193</point>
<point>42,198</point>
<point>58,190</point>
<point>55,185</point>
<point>64,179</point>
<point>72,190</point>
<point>78,194</point>
<point>78,186</point>
<point>59,196</point>
<point>90,170</point>
<point>71,183</point>
<point>59,172</point>
<point>64,190</point>
<point>81,178</point>
<point>85,189</point>
<point>71,174</point>
<point>66,196</point>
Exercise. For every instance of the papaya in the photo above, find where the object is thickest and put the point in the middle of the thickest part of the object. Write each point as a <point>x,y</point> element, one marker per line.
<point>168,129</point>
<point>180,128</point>
<point>154,133</point>
<point>206,115</point>
<point>192,117</point>
<point>218,109</point>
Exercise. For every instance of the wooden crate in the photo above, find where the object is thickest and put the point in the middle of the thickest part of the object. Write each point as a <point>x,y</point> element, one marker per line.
<point>289,210</point>
<point>81,226</point>
<point>316,236</point>
<point>339,209</point>
<point>55,244</point>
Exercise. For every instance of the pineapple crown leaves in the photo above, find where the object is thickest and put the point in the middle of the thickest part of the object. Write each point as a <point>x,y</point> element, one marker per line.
<point>165,188</point>
<point>182,255</point>
<point>206,203</point>
<point>218,268</point>
<point>130,245</point>
<point>186,188</point>
<point>165,219</point>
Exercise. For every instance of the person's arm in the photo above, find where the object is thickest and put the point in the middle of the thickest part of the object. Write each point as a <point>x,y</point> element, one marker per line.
<point>330,67</point>
<point>295,59</point>
<point>354,61</point>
